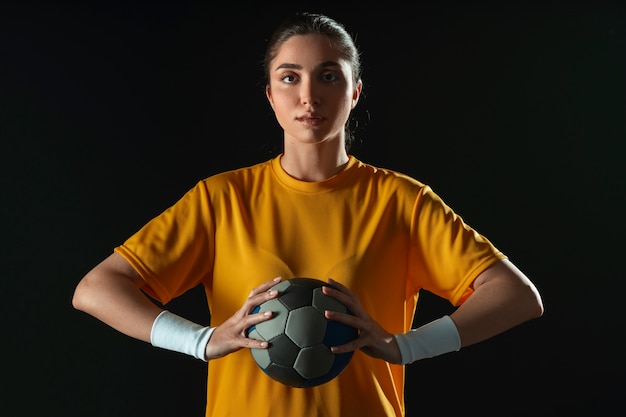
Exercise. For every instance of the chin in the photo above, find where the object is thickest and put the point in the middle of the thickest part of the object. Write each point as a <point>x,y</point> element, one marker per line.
<point>315,136</point>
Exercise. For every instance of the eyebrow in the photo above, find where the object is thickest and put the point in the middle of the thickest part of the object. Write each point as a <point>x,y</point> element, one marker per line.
<point>324,64</point>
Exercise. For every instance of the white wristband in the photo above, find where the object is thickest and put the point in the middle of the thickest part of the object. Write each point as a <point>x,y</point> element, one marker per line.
<point>176,333</point>
<point>435,338</point>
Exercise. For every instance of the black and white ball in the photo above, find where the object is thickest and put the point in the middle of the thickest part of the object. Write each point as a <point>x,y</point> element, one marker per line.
<point>299,335</point>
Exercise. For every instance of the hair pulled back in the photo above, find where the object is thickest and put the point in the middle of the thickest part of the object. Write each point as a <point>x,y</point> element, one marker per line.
<point>311,23</point>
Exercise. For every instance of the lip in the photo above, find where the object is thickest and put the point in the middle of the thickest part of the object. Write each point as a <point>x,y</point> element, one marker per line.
<point>310,119</point>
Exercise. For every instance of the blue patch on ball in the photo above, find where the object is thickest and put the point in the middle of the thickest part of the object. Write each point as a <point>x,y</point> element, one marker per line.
<point>299,335</point>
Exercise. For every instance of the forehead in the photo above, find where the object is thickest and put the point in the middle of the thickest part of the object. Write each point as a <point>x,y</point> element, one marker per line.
<point>308,51</point>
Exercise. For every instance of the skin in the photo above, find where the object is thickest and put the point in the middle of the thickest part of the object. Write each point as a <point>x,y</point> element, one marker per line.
<point>312,95</point>
<point>111,293</point>
<point>503,298</point>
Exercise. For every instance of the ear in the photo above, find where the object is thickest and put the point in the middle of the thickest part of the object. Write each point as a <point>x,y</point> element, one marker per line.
<point>357,93</point>
<point>268,94</point>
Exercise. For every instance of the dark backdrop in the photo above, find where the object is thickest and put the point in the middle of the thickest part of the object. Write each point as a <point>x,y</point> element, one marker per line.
<point>513,113</point>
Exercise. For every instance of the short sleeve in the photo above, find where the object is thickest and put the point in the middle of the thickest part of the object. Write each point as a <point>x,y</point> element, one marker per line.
<point>174,251</point>
<point>446,254</point>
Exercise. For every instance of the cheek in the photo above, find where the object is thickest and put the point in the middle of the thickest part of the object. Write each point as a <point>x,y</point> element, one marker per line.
<point>281,106</point>
<point>281,99</point>
<point>283,109</point>
<point>345,105</point>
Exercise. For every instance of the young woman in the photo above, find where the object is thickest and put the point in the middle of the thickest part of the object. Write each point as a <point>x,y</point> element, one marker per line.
<point>313,211</point>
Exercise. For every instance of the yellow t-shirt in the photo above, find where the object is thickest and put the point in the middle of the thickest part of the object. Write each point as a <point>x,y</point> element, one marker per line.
<point>381,233</point>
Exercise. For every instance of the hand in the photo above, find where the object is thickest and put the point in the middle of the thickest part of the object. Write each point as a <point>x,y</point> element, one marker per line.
<point>230,336</point>
<point>373,339</point>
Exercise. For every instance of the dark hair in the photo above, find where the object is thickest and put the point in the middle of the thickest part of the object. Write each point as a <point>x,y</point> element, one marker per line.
<point>304,23</point>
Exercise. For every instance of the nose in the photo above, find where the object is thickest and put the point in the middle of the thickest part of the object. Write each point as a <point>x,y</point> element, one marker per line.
<point>309,94</point>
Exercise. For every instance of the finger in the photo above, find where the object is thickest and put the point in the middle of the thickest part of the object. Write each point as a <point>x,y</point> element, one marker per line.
<point>254,343</point>
<point>339,285</point>
<point>336,293</point>
<point>346,299</point>
<point>255,300</point>
<point>347,319</point>
<point>252,320</point>
<point>348,347</point>
<point>265,286</point>
<point>351,321</point>
<point>257,318</point>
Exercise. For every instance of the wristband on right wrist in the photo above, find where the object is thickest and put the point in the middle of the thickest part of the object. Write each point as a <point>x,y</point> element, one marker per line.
<point>178,334</point>
<point>433,339</point>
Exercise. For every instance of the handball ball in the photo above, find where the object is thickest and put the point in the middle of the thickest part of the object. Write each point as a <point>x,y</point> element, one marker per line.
<point>299,335</point>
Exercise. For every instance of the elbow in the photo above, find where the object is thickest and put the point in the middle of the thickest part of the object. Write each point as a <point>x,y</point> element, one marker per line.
<point>535,303</point>
<point>539,309</point>
<point>78,298</point>
<point>81,298</point>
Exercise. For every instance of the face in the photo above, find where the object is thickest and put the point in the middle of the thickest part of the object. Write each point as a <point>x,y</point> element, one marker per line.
<point>311,90</point>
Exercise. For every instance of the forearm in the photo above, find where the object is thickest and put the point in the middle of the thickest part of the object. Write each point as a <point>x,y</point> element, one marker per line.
<point>503,298</point>
<point>111,293</point>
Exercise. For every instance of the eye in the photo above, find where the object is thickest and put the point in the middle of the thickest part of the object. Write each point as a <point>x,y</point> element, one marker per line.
<point>288,78</point>
<point>330,77</point>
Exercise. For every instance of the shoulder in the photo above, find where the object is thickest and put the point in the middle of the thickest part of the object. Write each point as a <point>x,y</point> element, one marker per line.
<point>388,178</point>
<point>225,184</point>
<point>236,178</point>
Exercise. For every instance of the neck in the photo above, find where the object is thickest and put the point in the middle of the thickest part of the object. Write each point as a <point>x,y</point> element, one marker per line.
<point>315,162</point>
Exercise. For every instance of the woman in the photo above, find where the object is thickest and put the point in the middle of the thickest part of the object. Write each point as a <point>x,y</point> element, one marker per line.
<point>314,211</point>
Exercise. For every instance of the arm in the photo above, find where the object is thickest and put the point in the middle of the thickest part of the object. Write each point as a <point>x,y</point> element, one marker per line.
<point>503,298</point>
<point>111,293</point>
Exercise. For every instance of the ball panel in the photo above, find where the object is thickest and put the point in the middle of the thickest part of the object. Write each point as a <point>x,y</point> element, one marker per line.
<point>261,356</point>
<point>314,361</point>
<point>286,375</point>
<point>275,326</point>
<point>340,363</point>
<point>282,350</point>
<point>281,286</point>
<point>323,302</point>
<point>306,326</point>
<point>298,294</point>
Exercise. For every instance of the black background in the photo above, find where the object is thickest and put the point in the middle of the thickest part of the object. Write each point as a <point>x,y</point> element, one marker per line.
<point>514,113</point>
